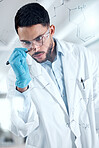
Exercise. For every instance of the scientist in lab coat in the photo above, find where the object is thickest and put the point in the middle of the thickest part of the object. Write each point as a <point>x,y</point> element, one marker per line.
<point>53,86</point>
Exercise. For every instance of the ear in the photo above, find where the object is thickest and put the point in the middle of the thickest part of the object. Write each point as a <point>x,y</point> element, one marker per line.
<point>52,30</point>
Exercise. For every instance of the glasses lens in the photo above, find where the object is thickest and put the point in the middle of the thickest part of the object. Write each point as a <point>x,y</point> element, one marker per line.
<point>26,44</point>
<point>39,41</point>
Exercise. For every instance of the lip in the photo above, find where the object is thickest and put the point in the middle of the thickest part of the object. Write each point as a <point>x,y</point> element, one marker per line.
<point>38,55</point>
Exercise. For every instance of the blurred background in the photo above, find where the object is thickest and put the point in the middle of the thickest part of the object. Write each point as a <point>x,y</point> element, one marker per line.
<point>75,21</point>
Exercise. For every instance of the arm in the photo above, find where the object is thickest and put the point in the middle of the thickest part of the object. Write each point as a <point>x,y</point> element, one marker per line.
<point>24,117</point>
<point>94,66</point>
<point>96,96</point>
<point>22,89</point>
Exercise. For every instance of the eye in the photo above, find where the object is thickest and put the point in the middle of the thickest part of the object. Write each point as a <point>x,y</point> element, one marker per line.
<point>38,39</point>
<point>26,42</point>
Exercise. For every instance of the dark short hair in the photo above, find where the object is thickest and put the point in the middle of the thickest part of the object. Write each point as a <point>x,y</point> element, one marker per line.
<point>31,14</point>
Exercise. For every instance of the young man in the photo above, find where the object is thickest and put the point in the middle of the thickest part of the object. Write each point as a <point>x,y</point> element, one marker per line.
<point>56,85</point>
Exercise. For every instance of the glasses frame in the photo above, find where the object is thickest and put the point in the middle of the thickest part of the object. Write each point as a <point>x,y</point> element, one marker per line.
<point>29,44</point>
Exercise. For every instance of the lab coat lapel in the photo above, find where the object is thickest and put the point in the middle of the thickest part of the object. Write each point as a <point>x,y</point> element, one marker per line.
<point>50,86</point>
<point>70,73</point>
<point>41,75</point>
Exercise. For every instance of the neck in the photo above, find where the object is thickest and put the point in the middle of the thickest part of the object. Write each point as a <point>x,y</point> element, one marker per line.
<point>53,51</point>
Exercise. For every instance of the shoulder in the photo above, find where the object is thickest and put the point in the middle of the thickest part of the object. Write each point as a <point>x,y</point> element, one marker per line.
<point>76,50</point>
<point>79,53</point>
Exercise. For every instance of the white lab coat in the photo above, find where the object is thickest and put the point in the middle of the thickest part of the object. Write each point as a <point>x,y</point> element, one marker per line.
<point>43,118</point>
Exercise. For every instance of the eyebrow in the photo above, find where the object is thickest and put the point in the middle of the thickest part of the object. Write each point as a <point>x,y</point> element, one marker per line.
<point>25,41</point>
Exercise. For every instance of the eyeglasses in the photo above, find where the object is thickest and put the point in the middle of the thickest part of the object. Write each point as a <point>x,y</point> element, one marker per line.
<point>39,41</point>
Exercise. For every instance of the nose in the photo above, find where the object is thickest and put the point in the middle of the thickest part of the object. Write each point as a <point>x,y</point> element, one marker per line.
<point>35,47</point>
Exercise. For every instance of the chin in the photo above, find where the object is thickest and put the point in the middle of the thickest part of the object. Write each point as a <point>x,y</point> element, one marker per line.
<point>40,61</point>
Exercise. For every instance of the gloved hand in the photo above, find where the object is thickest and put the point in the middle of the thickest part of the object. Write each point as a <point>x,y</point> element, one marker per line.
<point>18,62</point>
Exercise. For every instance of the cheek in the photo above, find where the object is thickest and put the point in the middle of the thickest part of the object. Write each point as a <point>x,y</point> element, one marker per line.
<point>44,49</point>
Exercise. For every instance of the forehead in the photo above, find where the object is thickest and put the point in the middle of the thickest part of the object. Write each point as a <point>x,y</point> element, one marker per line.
<point>30,33</point>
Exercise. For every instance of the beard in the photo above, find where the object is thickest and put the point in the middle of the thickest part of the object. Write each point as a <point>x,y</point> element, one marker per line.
<point>48,54</point>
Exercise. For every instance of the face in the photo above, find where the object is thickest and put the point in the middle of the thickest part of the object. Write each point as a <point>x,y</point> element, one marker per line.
<point>39,42</point>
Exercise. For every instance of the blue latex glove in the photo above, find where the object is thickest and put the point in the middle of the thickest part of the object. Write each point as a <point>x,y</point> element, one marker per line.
<point>18,62</point>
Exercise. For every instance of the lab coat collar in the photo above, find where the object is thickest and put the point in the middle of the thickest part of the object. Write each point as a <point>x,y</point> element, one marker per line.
<point>58,47</point>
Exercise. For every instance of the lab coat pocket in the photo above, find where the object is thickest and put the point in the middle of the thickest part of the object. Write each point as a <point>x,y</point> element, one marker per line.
<point>80,113</point>
<point>83,95</point>
<point>85,87</point>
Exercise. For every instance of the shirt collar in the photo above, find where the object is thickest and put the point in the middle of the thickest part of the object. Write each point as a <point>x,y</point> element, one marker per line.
<point>58,47</point>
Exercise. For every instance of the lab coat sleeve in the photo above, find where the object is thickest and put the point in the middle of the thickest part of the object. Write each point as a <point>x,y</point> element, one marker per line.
<point>94,68</point>
<point>96,94</point>
<point>24,117</point>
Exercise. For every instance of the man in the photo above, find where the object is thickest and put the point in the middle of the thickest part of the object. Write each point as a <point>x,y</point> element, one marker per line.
<point>56,86</point>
